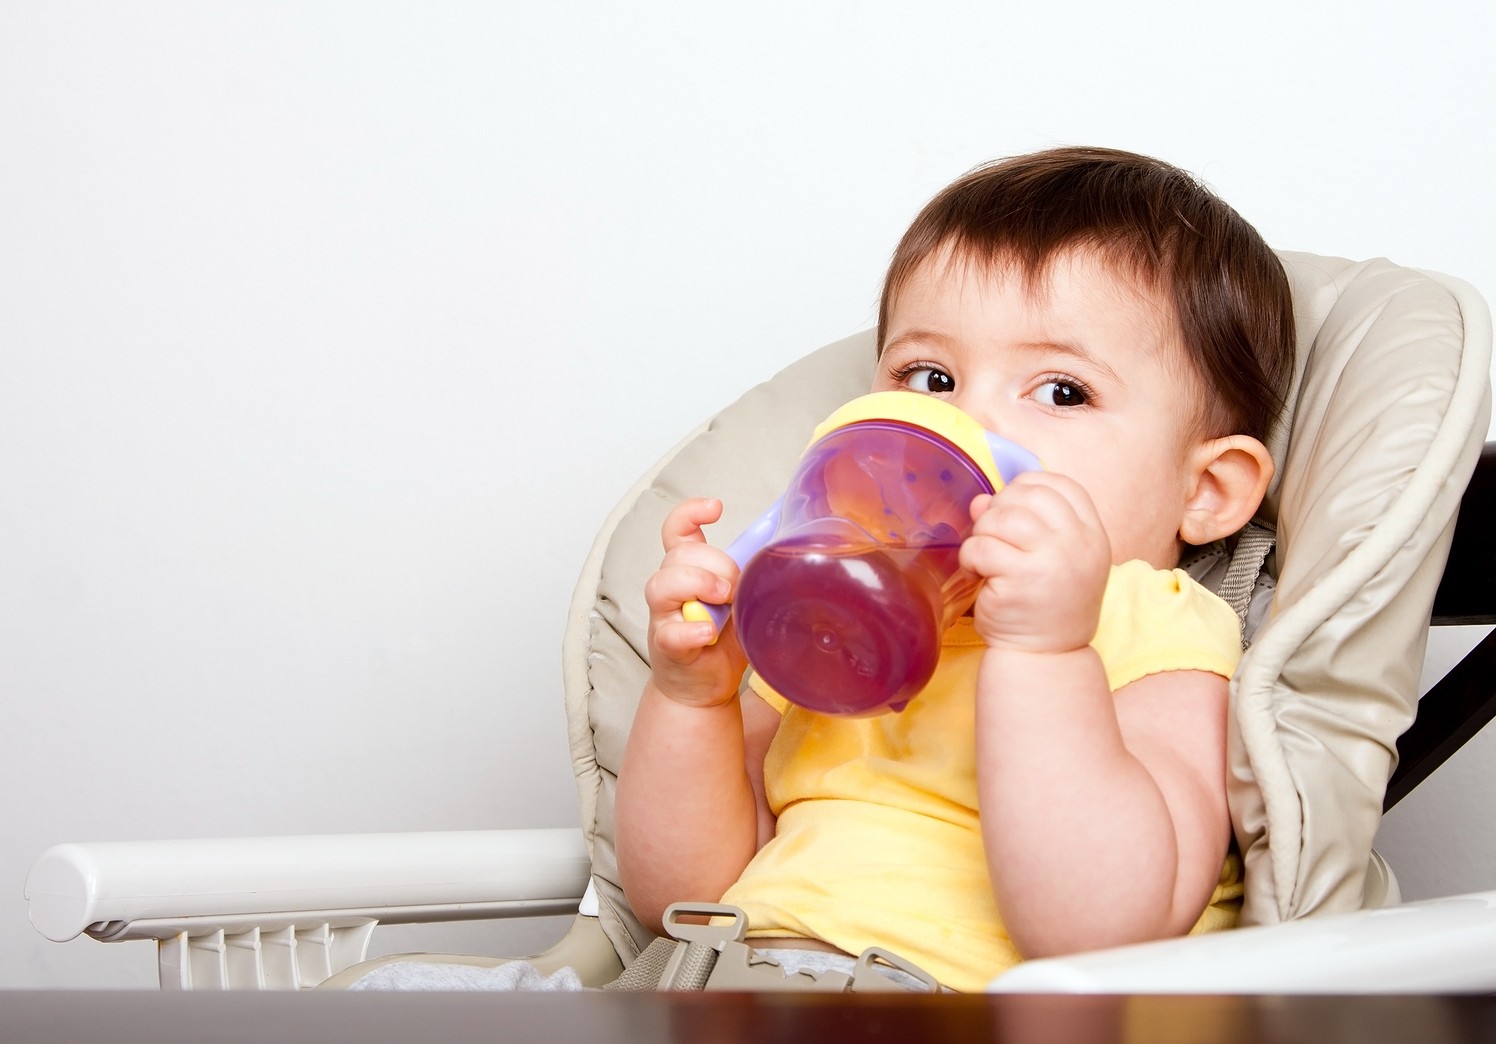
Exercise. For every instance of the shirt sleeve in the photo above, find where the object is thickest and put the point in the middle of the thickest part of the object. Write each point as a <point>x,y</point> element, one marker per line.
<point>1155,620</point>
<point>768,695</point>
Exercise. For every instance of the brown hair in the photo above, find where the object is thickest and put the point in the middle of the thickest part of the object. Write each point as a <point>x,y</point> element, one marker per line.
<point>1150,219</point>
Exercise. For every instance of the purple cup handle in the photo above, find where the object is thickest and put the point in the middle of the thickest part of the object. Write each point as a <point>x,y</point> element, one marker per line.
<point>1011,459</point>
<point>748,543</point>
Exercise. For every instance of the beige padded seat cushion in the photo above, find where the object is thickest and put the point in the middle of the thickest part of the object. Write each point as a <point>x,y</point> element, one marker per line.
<point>1385,420</point>
<point>1386,416</point>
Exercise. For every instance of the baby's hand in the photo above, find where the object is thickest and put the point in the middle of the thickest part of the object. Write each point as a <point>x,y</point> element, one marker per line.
<point>1044,559</point>
<point>685,665</point>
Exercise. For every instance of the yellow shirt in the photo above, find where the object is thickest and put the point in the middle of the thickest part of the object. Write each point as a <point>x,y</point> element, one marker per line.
<point>878,841</point>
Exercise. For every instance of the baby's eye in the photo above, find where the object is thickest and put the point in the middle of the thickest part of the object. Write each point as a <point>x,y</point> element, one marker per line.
<point>1061,393</point>
<point>930,380</point>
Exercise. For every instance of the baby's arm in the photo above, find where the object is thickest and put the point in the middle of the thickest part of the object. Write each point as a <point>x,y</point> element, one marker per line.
<point>690,805</point>
<point>1104,816</point>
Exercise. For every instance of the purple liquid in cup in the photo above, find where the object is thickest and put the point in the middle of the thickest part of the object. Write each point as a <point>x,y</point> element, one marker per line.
<point>852,632</point>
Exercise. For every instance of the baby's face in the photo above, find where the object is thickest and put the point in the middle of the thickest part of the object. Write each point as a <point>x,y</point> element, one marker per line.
<point>1086,370</point>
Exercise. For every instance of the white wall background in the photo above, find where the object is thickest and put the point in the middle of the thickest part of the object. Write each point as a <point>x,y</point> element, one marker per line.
<point>329,332</point>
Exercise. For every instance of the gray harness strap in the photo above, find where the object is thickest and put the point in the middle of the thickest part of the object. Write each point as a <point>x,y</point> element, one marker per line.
<point>1253,544</point>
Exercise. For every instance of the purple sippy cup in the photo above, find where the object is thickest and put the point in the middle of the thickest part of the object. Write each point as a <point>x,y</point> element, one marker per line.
<point>850,578</point>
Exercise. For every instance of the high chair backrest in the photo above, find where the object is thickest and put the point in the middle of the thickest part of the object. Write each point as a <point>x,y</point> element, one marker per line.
<point>1385,418</point>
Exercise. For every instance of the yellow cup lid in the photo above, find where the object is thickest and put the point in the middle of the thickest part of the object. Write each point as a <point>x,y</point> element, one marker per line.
<point>956,426</point>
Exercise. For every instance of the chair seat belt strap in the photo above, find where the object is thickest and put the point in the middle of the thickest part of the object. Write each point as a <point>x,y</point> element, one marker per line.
<point>713,956</point>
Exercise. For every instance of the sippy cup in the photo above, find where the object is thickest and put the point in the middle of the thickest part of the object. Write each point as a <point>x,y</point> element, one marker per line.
<point>850,578</point>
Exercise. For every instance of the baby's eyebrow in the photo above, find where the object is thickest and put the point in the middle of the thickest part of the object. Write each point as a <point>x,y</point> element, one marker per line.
<point>1075,351</point>
<point>911,339</point>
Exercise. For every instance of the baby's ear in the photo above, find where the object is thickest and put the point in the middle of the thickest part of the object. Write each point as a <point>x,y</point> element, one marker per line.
<point>1230,479</point>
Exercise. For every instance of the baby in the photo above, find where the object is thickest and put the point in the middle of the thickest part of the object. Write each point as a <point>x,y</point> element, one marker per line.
<point>1060,784</point>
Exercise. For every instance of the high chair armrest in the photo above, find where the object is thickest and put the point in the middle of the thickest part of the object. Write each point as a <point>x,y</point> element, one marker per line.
<point>160,889</point>
<point>1436,946</point>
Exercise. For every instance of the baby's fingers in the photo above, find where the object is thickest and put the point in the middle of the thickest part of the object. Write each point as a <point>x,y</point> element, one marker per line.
<point>991,557</point>
<point>1058,499</point>
<point>685,520</point>
<point>675,585</point>
<point>678,639</point>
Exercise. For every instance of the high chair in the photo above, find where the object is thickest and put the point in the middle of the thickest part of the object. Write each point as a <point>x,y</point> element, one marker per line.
<point>1384,426</point>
